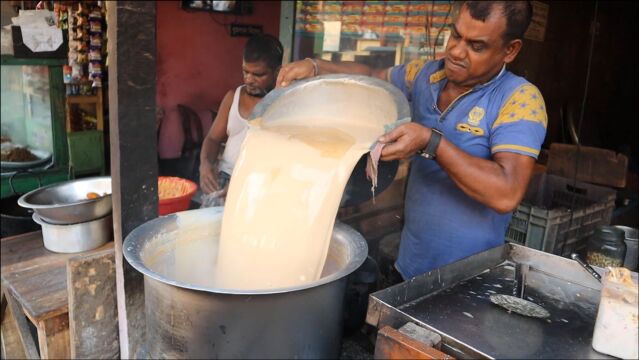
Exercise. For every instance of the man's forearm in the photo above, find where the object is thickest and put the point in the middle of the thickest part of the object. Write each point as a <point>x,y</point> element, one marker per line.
<point>210,150</point>
<point>499,185</point>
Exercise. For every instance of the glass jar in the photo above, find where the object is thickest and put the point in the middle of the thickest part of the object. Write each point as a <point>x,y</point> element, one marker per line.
<point>606,247</point>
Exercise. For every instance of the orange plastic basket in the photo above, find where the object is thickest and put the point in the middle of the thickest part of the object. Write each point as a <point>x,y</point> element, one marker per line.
<point>175,194</point>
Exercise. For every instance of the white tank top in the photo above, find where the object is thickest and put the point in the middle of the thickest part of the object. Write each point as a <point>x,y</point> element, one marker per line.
<point>236,130</point>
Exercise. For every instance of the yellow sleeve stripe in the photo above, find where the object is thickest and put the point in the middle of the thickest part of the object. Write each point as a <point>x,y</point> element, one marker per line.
<point>525,103</point>
<point>437,76</point>
<point>412,70</point>
<point>514,147</point>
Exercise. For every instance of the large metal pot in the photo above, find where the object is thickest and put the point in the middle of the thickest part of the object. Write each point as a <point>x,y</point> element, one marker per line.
<point>348,96</point>
<point>190,320</point>
<point>67,202</point>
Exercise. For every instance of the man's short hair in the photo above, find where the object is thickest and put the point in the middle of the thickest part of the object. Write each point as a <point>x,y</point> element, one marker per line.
<point>517,13</point>
<point>266,48</point>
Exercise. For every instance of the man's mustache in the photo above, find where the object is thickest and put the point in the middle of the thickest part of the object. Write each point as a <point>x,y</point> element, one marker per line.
<point>259,92</point>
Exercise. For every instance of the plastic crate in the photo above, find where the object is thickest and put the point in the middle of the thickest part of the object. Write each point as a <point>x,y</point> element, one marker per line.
<point>543,220</point>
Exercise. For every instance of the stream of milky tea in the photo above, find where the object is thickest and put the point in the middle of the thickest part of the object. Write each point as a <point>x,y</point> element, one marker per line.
<point>283,199</point>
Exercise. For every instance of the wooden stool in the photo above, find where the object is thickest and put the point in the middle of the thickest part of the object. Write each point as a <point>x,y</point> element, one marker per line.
<point>34,285</point>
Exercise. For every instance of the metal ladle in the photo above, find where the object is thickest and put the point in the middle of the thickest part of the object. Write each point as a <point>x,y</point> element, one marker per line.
<point>585,265</point>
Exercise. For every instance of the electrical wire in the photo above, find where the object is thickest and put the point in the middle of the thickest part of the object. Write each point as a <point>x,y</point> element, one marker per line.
<point>427,26</point>
<point>593,31</point>
<point>450,7</point>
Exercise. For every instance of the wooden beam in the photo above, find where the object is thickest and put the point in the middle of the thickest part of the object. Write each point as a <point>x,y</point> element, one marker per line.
<point>17,341</point>
<point>134,169</point>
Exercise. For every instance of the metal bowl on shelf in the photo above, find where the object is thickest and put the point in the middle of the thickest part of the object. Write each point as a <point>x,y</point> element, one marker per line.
<point>70,202</point>
<point>75,238</point>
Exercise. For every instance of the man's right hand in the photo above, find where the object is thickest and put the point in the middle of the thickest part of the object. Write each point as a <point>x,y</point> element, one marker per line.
<point>296,70</point>
<point>208,178</point>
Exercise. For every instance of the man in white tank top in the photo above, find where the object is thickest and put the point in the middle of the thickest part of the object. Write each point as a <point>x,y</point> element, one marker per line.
<point>260,65</point>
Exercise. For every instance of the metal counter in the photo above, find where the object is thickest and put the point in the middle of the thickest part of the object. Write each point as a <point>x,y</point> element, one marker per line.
<point>454,302</point>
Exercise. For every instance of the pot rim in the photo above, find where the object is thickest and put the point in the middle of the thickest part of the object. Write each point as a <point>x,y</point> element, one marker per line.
<point>138,239</point>
<point>403,108</point>
<point>23,200</point>
<point>37,218</point>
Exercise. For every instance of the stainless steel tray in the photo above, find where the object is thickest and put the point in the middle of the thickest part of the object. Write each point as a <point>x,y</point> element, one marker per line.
<point>43,157</point>
<point>454,302</point>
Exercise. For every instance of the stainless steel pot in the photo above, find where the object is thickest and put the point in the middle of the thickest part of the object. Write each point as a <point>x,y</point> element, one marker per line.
<point>191,320</point>
<point>76,238</point>
<point>67,202</point>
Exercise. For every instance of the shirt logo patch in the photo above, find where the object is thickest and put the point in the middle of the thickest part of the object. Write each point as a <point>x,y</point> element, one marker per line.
<point>475,115</point>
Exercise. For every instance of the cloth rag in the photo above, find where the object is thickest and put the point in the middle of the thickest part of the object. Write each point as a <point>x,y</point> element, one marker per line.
<point>372,165</point>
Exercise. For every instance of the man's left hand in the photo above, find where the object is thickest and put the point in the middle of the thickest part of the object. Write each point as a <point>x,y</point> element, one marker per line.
<point>404,141</point>
<point>296,70</point>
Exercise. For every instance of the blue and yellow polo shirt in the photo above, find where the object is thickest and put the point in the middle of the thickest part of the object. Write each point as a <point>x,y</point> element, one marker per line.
<point>442,224</point>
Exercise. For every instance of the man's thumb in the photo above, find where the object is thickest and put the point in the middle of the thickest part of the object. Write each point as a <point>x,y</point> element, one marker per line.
<point>391,136</point>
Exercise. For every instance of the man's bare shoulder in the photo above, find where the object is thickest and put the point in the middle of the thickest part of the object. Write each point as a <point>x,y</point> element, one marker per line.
<point>227,100</point>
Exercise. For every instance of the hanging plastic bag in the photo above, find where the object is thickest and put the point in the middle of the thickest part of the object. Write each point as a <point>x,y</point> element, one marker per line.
<point>216,198</point>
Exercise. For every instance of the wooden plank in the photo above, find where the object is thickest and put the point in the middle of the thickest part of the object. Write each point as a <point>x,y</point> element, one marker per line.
<point>597,166</point>
<point>93,321</point>
<point>34,275</point>
<point>53,337</point>
<point>17,341</point>
<point>41,291</point>
<point>392,344</point>
<point>99,110</point>
<point>82,99</point>
<point>39,299</point>
<point>25,251</point>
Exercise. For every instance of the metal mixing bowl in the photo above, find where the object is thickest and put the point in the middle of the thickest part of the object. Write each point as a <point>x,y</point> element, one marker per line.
<point>67,203</point>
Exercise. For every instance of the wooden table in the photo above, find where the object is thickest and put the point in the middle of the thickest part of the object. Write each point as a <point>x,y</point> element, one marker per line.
<point>34,284</point>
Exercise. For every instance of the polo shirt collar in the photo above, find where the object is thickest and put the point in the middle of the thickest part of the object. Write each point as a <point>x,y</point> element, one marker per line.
<point>438,76</point>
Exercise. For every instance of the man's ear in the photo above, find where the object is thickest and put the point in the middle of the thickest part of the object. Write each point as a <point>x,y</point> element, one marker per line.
<point>512,49</point>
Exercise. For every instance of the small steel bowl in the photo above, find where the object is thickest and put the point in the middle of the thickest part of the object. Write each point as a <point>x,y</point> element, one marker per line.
<point>76,238</point>
<point>67,203</point>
